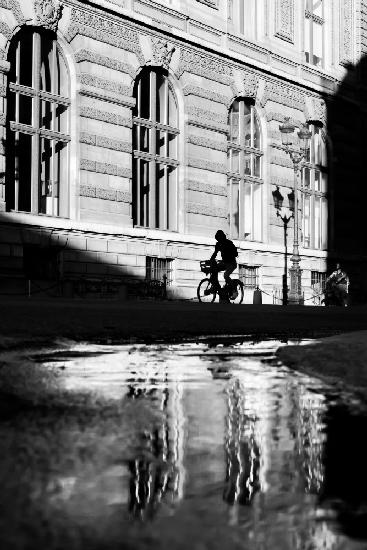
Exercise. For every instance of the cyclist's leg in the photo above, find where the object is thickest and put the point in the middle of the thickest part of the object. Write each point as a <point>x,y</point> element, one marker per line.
<point>229,268</point>
<point>219,266</point>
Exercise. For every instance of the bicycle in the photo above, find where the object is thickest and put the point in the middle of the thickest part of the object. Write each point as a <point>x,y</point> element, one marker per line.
<point>209,288</point>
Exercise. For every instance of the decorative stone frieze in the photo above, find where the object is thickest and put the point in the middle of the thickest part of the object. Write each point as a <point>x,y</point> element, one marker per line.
<point>104,116</point>
<point>105,142</point>
<point>47,13</point>
<point>2,56</point>
<point>207,188</point>
<point>5,30</point>
<point>346,53</point>
<point>206,94</point>
<point>203,65</point>
<point>210,3</point>
<point>284,20</point>
<point>162,52</point>
<point>207,165</point>
<point>105,168</point>
<point>104,84</point>
<point>2,119</point>
<point>209,143</point>
<point>105,30</point>
<point>2,90</point>
<point>105,194</point>
<point>205,114</point>
<point>206,210</point>
<point>284,94</point>
<point>104,61</point>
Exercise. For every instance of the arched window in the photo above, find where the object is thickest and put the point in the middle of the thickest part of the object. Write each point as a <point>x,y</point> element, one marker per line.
<point>155,142</point>
<point>245,172</point>
<point>314,186</point>
<point>37,125</point>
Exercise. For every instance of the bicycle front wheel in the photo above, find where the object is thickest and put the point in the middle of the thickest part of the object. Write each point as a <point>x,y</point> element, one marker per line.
<point>236,297</point>
<point>205,291</point>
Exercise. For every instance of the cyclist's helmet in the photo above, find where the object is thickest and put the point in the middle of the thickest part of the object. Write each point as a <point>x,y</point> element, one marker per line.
<point>220,235</point>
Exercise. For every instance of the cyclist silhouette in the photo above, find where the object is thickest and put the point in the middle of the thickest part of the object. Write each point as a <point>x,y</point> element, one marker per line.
<point>228,262</point>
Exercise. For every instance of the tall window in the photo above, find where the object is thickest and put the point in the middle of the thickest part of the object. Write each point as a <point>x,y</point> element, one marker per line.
<point>244,172</point>
<point>314,32</point>
<point>37,125</point>
<point>314,185</point>
<point>247,18</point>
<point>155,153</point>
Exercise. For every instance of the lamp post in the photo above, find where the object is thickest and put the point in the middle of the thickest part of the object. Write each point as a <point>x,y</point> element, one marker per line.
<point>278,204</point>
<point>297,153</point>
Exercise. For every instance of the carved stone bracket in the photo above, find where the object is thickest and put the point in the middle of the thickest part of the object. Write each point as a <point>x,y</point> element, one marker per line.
<point>162,52</point>
<point>48,13</point>
<point>315,110</point>
<point>250,85</point>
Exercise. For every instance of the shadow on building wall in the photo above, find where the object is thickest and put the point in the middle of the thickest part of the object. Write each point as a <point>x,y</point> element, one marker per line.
<point>347,130</point>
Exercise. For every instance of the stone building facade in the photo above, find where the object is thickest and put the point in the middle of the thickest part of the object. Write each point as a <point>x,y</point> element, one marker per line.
<point>133,129</point>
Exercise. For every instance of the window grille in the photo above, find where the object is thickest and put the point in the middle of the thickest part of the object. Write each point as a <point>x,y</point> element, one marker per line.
<point>249,275</point>
<point>156,268</point>
<point>318,278</point>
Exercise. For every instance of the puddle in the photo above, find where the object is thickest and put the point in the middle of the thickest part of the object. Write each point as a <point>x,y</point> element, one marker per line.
<point>184,446</point>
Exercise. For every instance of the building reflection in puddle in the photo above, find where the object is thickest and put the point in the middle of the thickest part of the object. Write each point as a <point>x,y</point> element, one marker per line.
<point>157,474</point>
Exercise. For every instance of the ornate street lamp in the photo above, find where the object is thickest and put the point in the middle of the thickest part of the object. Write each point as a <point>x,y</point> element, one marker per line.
<point>278,204</point>
<point>297,149</point>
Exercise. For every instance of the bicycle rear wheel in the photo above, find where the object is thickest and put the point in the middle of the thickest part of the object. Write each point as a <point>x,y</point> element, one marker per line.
<point>238,295</point>
<point>205,291</point>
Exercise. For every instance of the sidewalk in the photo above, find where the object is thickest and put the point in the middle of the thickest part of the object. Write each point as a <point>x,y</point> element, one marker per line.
<point>338,359</point>
<point>113,321</point>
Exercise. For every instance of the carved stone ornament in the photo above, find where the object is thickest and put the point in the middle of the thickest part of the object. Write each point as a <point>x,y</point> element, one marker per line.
<point>48,13</point>
<point>250,85</point>
<point>162,52</point>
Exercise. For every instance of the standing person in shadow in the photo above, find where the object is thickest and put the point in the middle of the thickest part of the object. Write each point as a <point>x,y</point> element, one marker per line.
<point>228,262</point>
<point>338,284</point>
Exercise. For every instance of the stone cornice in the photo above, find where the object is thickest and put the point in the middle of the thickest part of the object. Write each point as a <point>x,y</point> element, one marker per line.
<point>103,96</point>
<point>105,142</point>
<point>207,188</point>
<point>104,84</point>
<point>193,62</point>
<point>207,94</point>
<point>210,3</point>
<point>206,210</point>
<point>221,128</point>
<point>95,192</point>
<point>209,143</point>
<point>105,168</point>
<point>105,116</point>
<point>100,28</point>
<point>104,61</point>
<point>209,165</point>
